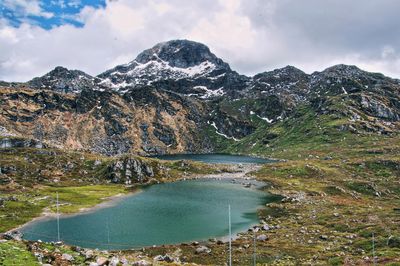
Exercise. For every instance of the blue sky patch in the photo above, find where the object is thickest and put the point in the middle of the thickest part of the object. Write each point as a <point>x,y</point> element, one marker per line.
<point>45,13</point>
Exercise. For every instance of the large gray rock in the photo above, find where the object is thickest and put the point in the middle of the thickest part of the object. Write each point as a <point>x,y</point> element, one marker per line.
<point>129,169</point>
<point>102,261</point>
<point>142,263</point>
<point>114,261</point>
<point>203,249</point>
<point>262,237</point>
<point>13,235</point>
<point>89,254</point>
<point>67,257</point>
<point>166,258</point>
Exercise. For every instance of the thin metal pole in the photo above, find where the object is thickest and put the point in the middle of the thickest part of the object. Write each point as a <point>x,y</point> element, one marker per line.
<point>58,221</point>
<point>108,235</point>
<point>254,245</point>
<point>230,238</point>
<point>373,248</point>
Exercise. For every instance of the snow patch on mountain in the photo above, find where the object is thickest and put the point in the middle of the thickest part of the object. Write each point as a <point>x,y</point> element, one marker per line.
<point>266,119</point>
<point>210,93</point>
<point>219,133</point>
<point>155,70</point>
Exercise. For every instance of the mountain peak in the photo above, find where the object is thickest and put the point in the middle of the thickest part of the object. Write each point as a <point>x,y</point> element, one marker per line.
<point>287,73</point>
<point>180,54</point>
<point>343,70</point>
<point>64,80</point>
<point>60,69</point>
<point>172,60</point>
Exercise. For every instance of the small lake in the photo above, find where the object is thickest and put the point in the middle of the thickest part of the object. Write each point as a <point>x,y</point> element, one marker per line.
<point>167,213</point>
<point>214,158</point>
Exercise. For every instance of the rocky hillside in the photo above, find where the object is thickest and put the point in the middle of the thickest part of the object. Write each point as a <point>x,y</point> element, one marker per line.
<point>180,97</point>
<point>63,80</point>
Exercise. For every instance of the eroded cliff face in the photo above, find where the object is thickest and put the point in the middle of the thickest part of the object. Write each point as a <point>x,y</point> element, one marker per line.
<point>105,122</point>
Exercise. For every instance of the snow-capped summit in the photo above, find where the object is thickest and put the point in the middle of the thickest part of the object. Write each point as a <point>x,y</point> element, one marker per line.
<point>181,54</point>
<point>172,60</point>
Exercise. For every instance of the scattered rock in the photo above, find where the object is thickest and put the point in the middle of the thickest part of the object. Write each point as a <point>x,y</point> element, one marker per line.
<point>39,256</point>
<point>67,257</point>
<point>101,261</point>
<point>89,254</point>
<point>141,263</point>
<point>166,258</point>
<point>14,235</point>
<point>203,249</point>
<point>265,227</point>
<point>158,258</point>
<point>114,261</point>
<point>254,229</point>
<point>323,237</point>
<point>262,237</point>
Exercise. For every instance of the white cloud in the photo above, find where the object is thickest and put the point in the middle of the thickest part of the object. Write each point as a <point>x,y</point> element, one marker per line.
<point>252,36</point>
<point>25,8</point>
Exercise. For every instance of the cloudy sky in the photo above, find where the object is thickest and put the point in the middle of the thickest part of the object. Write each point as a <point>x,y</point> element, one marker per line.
<point>251,35</point>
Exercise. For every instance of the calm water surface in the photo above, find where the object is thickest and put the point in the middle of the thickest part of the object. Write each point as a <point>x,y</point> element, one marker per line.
<point>160,214</point>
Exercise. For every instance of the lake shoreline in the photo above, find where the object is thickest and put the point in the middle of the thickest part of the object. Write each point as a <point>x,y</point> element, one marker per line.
<point>47,215</point>
<point>236,172</point>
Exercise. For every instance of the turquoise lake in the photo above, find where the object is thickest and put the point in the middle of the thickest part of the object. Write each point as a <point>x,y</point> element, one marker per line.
<point>169,213</point>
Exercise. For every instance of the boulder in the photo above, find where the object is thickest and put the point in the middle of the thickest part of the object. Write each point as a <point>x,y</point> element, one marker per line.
<point>158,258</point>
<point>265,227</point>
<point>114,261</point>
<point>141,263</point>
<point>323,237</point>
<point>89,254</point>
<point>39,256</point>
<point>166,258</point>
<point>203,250</point>
<point>262,237</point>
<point>67,257</point>
<point>101,261</point>
<point>14,235</point>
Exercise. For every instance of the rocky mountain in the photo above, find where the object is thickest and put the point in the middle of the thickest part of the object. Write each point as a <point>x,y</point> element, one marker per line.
<point>183,66</point>
<point>64,80</point>
<point>180,97</point>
